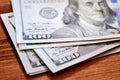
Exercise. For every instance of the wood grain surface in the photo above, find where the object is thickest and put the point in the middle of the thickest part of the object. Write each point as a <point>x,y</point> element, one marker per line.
<point>105,68</point>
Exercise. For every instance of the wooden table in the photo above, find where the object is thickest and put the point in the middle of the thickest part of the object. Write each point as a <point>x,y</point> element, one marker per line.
<point>105,68</point>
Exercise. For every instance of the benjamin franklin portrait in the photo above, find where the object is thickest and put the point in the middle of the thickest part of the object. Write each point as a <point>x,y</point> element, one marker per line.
<point>87,18</point>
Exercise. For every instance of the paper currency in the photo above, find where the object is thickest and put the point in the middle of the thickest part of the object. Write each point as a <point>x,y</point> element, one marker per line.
<point>31,62</point>
<point>58,58</point>
<point>40,45</point>
<point>108,52</point>
<point>36,46</point>
<point>32,47</point>
<point>44,21</point>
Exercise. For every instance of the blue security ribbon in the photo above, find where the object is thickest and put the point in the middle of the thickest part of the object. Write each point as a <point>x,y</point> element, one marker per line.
<point>114,1</point>
<point>117,11</point>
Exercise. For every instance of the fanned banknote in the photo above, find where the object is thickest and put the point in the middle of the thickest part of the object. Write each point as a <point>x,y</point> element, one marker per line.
<point>43,45</point>
<point>59,58</point>
<point>31,62</point>
<point>45,21</point>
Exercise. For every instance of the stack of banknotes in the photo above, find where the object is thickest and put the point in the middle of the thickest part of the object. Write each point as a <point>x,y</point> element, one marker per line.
<point>51,35</point>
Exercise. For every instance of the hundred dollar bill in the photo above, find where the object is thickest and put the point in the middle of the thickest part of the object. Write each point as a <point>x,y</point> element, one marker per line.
<point>11,19</point>
<point>38,45</point>
<point>31,62</point>
<point>42,45</point>
<point>115,50</point>
<point>45,21</point>
<point>59,58</point>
